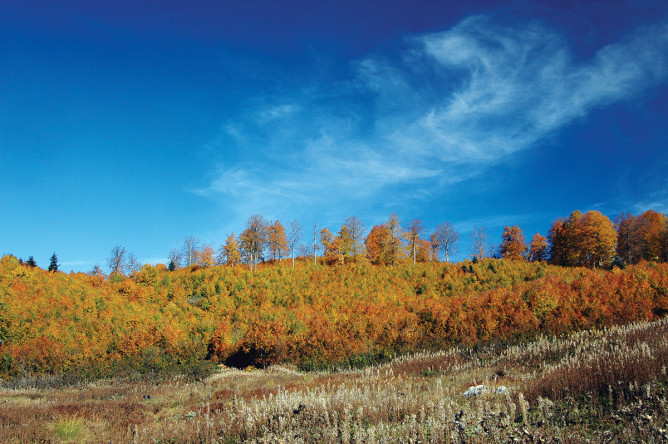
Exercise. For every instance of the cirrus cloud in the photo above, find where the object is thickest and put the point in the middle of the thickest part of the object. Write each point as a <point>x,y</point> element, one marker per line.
<point>441,111</point>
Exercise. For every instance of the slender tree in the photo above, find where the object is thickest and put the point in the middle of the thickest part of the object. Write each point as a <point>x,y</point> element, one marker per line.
<point>395,235</point>
<point>189,250</point>
<point>413,232</point>
<point>356,230</point>
<point>446,238</point>
<point>434,246</point>
<point>315,244</point>
<point>479,247</point>
<point>133,265</point>
<point>294,236</point>
<point>344,244</point>
<point>326,242</point>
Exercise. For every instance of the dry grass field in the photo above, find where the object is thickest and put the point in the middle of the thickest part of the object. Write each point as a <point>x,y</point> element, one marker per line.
<point>595,386</point>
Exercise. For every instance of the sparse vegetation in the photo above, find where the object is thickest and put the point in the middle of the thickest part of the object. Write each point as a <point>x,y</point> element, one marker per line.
<point>559,389</point>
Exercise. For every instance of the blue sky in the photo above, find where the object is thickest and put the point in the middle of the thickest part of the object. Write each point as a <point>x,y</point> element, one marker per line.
<point>140,123</point>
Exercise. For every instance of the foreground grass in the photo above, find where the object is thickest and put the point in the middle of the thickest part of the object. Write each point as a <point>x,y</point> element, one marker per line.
<point>595,386</point>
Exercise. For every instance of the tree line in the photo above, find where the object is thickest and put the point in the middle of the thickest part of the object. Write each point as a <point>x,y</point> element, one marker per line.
<point>589,240</point>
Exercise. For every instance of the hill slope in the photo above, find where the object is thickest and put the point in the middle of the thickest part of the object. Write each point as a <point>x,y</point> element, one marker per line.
<point>313,316</point>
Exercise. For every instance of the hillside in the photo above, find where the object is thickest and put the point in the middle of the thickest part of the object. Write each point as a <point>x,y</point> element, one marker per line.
<point>160,322</point>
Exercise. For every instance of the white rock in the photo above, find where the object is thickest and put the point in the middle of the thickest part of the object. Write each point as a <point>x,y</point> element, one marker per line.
<point>475,391</point>
<point>501,390</point>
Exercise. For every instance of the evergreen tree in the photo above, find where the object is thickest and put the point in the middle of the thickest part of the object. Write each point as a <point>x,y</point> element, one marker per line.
<point>31,262</point>
<point>53,263</point>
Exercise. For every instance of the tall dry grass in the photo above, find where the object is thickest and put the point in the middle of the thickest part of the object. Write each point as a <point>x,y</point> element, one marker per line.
<point>598,386</point>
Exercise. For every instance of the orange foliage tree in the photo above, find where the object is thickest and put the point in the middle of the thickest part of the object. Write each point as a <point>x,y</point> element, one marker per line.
<point>376,245</point>
<point>538,250</point>
<point>514,246</point>
<point>642,237</point>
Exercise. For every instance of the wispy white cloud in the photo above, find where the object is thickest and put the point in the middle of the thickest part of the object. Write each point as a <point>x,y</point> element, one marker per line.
<point>447,107</point>
<point>519,84</point>
<point>657,201</point>
<point>76,265</point>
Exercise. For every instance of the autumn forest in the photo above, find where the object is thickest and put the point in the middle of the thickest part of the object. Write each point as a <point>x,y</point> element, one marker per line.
<point>344,300</point>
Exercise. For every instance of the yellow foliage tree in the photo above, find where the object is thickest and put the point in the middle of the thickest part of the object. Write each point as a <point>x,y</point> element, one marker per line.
<point>277,241</point>
<point>230,254</point>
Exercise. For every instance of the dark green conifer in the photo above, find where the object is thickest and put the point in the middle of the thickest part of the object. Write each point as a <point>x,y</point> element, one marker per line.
<point>53,264</point>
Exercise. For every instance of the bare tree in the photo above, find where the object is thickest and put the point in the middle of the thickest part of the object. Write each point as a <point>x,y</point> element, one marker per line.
<point>413,232</point>
<point>174,260</point>
<point>294,236</point>
<point>117,262</point>
<point>96,271</point>
<point>315,244</point>
<point>189,250</point>
<point>303,250</point>
<point>356,231</point>
<point>395,234</point>
<point>479,247</point>
<point>133,264</point>
<point>445,238</point>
